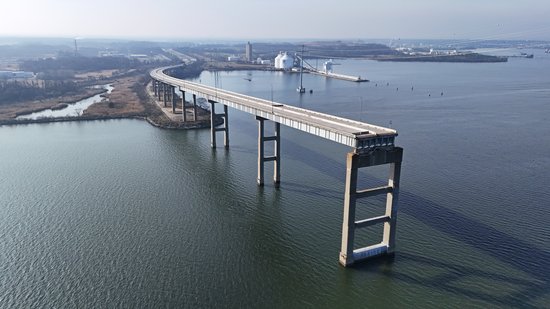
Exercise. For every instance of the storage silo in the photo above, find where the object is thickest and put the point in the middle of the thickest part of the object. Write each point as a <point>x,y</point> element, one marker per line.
<point>277,63</point>
<point>287,62</point>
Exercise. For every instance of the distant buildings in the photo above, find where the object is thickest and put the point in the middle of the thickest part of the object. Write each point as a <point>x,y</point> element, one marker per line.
<point>139,57</point>
<point>262,61</point>
<point>248,52</point>
<point>234,58</point>
<point>16,74</point>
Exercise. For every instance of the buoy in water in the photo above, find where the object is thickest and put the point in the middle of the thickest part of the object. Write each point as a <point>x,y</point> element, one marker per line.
<point>310,90</point>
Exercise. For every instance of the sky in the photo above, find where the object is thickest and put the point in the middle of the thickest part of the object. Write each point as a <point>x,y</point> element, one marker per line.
<point>282,19</point>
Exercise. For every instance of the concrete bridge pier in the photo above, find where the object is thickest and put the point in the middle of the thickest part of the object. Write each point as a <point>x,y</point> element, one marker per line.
<point>174,98</point>
<point>155,87</point>
<point>194,107</point>
<point>183,110</point>
<point>159,90</point>
<point>213,128</point>
<point>276,158</point>
<point>165,93</point>
<point>392,156</point>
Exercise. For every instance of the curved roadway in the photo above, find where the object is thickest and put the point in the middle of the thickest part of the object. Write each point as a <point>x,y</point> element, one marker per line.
<point>359,135</point>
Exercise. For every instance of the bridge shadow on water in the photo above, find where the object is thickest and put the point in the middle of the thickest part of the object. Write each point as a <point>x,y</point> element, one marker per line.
<point>512,251</point>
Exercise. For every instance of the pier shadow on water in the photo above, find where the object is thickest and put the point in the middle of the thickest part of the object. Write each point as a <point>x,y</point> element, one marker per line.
<point>509,250</point>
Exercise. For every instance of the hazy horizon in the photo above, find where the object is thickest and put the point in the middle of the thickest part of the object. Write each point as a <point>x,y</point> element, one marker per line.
<point>282,20</point>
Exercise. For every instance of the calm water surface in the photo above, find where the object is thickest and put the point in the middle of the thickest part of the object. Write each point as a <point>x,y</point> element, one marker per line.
<point>121,214</point>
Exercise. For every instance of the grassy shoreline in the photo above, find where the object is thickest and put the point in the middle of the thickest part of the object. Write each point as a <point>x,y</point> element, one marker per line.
<point>128,100</point>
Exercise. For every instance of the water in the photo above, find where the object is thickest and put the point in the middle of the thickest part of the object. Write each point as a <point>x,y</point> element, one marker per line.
<point>121,214</point>
<point>72,110</point>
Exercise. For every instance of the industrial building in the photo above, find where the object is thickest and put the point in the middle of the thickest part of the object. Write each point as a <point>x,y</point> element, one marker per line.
<point>284,61</point>
<point>248,52</point>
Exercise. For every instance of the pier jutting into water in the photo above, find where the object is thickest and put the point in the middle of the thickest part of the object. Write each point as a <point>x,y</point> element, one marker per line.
<point>372,145</point>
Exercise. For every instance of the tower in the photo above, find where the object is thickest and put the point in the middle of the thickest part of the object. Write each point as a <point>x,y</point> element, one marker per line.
<point>248,52</point>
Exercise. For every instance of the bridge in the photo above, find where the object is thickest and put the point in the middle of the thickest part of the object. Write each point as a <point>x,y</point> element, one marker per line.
<point>371,145</point>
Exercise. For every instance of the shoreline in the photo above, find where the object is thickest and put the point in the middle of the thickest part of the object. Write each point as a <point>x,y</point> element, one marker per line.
<point>148,119</point>
<point>458,58</point>
<point>65,103</point>
<point>15,122</point>
<point>151,111</point>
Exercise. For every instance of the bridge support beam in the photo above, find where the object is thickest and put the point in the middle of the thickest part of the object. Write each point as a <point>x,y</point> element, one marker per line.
<point>194,107</point>
<point>355,161</point>
<point>164,93</point>
<point>213,128</point>
<point>183,110</point>
<point>155,87</point>
<point>276,158</point>
<point>174,99</point>
<point>159,90</point>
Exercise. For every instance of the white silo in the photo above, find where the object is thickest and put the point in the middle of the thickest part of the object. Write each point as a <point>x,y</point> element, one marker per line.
<point>287,62</point>
<point>278,60</point>
<point>328,66</point>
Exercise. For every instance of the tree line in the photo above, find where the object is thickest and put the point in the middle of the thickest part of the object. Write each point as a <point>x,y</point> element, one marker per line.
<point>191,70</point>
<point>79,63</point>
<point>18,91</point>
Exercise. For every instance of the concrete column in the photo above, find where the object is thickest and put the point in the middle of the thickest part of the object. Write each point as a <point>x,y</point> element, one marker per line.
<point>277,166</point>
<point>159,90</point>
<point>381,156</point>
<point>260,151</point>
<point>183,110</point>
<point>392,206</point>
<point>165,94</point>
<point>155,89</point>
<point>226,127</point>
<point>174,100</point>
<point>212,124</point>
<point>194,107</point>
<point>348,226</point>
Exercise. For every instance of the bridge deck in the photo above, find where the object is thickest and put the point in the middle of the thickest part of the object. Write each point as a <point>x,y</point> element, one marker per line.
<point>359,135</point>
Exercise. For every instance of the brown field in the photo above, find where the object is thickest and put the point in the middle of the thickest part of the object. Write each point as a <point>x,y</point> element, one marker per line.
<point>96,74</point>
<point>122,102</point>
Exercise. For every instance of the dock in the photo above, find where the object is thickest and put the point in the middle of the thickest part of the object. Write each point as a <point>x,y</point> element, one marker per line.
<point>349,78</point>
